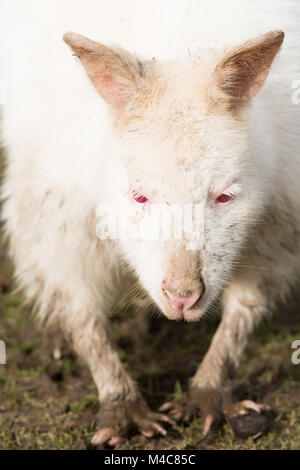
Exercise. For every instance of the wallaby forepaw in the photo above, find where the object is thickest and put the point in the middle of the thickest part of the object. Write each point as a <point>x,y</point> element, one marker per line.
<point>118,420</point>
<point>197,402</point>
<point>246,417</point>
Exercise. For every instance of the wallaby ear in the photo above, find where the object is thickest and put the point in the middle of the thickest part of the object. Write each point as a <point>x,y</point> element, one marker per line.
<point>240,75</point>
<point>114,74</point>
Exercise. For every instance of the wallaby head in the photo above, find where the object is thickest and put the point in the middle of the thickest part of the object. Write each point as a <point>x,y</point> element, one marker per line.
<point>184,140</point>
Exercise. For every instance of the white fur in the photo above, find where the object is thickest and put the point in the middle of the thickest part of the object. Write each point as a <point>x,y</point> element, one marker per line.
<point>64,160</point>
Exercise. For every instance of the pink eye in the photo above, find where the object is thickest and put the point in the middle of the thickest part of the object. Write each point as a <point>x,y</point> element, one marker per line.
<point>223,198</point>
<point>140,198</point>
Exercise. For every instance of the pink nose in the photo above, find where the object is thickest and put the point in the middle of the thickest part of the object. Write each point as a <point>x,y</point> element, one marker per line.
<point>182,304</point>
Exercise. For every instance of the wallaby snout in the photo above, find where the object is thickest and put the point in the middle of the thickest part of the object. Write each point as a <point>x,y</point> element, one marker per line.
<point>180,296</point>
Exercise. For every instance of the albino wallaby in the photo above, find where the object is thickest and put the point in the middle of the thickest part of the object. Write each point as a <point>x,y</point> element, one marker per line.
<point>197,115</point>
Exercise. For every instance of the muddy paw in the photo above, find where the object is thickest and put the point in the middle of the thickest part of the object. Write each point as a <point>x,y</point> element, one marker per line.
<point>118,420</point>
<point>206,403</point>
<point>248,418</point>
